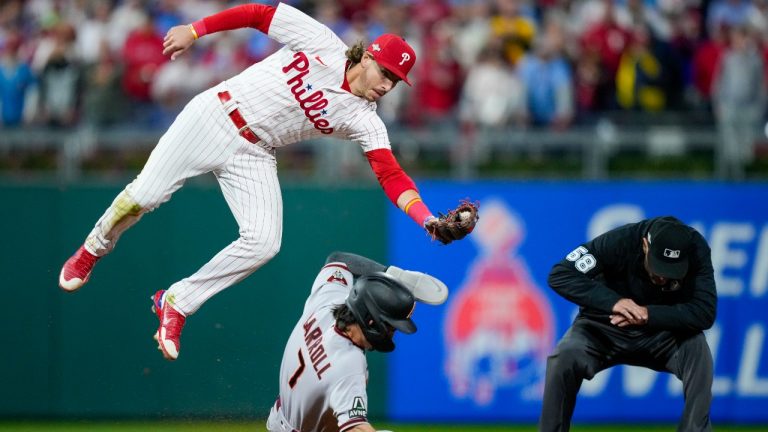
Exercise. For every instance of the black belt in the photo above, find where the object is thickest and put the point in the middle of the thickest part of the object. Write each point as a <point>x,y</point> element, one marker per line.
<point>238,120</point>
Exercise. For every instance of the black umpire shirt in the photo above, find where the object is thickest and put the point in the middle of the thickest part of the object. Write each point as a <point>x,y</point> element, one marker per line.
<point>611,266</point>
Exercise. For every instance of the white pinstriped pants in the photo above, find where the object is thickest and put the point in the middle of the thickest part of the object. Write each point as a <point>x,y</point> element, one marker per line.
<point>203,139</point>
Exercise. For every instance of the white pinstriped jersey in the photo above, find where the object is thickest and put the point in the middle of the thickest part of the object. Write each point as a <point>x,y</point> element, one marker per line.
<point>323,375</point>
<point>296,94</point>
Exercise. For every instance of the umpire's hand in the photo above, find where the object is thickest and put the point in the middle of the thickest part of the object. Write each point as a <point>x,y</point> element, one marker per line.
<point>627,312</point>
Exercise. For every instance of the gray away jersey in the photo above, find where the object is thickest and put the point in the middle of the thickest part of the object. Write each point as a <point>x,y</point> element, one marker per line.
<point>323,375</point>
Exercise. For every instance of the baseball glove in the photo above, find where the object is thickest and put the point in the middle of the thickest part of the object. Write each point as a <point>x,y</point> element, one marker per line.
<point>454,225</point>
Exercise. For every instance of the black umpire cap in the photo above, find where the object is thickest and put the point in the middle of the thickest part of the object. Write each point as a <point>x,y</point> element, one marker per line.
<point>669,247</point>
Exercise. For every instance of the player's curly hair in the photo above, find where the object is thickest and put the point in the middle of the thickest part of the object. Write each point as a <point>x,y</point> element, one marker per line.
<point>343,316</point>
<point>355,52</point>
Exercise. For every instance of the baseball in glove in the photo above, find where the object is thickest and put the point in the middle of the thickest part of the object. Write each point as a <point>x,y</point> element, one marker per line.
<point>454,225</point>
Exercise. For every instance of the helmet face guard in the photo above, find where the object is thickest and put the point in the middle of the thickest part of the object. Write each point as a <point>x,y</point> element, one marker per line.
<point>381,304</point>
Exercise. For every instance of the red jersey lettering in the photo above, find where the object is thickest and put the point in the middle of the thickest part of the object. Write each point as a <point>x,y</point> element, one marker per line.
<point>314,103</point>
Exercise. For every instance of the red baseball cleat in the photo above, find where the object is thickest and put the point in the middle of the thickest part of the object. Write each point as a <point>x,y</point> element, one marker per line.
<point>77,270</point>
<point>171,324</point>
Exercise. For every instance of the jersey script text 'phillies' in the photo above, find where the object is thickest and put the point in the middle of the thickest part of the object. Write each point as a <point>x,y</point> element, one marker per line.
<point>315,101</point>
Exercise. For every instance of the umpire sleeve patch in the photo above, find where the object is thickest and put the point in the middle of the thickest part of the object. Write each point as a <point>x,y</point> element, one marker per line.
<point>582,259</point>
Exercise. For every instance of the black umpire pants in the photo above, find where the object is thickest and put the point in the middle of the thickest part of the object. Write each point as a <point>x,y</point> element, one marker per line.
<point>591,346</point>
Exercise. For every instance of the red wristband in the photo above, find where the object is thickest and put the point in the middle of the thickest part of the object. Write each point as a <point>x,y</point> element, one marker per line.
<point>417,211</point>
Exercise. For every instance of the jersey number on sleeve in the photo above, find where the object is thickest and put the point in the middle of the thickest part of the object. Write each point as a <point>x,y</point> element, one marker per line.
<point>583,261</point>
<point>299,371</point>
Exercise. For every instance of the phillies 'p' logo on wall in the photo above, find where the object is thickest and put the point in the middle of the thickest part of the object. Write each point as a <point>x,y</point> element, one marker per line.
<point>315,102</point>
<point>499,327</point>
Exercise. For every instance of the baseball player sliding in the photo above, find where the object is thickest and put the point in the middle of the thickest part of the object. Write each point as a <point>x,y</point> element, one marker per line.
<point>314,86</point>
<point>356,304</point>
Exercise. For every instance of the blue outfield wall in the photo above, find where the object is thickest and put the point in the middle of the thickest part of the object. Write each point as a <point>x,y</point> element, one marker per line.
<point>482,355</point>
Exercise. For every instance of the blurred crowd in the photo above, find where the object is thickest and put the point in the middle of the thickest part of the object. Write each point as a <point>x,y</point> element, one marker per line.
<point>486,63</point>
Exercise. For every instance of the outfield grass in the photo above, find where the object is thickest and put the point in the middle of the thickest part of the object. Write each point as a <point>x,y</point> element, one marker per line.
<point>199,426</point>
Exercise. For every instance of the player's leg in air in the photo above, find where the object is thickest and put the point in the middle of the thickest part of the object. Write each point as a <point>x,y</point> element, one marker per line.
<point>185,150</point>
<point>252,191</point>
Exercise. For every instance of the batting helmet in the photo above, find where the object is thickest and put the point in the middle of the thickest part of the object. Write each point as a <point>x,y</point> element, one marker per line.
<point>380,303</point>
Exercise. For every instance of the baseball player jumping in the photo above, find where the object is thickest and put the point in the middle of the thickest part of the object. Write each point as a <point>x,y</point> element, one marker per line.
<point>355,305</point>
<point>314,86</point>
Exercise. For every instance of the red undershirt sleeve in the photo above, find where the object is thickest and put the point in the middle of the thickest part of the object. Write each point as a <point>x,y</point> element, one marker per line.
<point>252,15</point>
<point>391,176</point>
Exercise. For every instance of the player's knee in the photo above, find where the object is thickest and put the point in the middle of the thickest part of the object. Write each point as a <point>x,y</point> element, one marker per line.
<point>273,249</point>
<point>125,205</point>
<point>134,200</point>
<point>260,250</point>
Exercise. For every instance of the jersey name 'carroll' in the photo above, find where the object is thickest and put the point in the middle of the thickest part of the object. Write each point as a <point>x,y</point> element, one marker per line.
<point>296,93</point>
<point>323,374</point>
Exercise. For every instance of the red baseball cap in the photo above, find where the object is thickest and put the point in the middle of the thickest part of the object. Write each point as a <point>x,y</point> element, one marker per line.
<point>393,52</point>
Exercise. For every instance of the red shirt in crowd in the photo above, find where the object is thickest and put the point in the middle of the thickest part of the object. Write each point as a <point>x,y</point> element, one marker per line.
<point>143,55</point>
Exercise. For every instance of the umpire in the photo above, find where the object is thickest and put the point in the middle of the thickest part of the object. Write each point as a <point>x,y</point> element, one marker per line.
<point>645,291</point>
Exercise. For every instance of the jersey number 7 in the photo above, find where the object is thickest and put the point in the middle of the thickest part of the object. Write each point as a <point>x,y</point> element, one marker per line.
<point>299,371</point>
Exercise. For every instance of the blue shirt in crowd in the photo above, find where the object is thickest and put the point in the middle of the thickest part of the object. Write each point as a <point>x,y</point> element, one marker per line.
<point>15,80</point>
<point>542,79</point>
